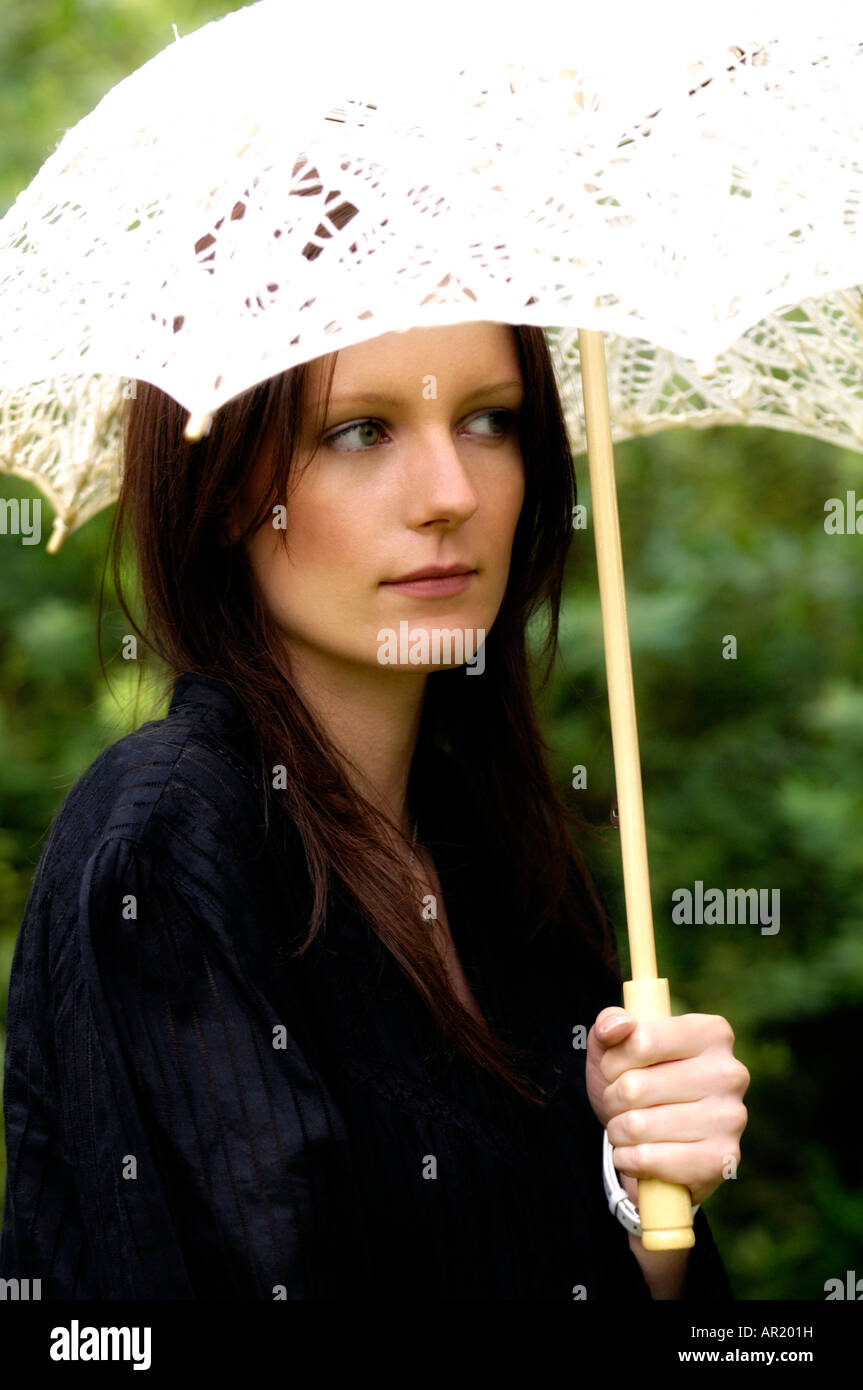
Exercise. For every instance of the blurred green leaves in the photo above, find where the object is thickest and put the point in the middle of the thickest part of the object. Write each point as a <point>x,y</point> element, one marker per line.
<point>58,58</point>
<point>751,771</point>
<point>752,766</point>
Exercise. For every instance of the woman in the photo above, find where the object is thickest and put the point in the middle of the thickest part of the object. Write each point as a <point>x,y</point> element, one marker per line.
<point>297,1000</point>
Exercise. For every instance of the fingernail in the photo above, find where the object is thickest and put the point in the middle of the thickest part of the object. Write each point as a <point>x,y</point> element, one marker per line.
<point>611,1023</point>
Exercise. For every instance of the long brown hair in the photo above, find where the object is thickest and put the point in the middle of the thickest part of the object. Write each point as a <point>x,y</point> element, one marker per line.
<point>204,613</point>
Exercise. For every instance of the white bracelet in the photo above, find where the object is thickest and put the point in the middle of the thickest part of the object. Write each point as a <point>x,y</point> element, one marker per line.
<point>618,1203</point>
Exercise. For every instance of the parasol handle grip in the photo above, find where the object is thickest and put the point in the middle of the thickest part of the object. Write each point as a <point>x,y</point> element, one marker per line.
<point>664,1208</point>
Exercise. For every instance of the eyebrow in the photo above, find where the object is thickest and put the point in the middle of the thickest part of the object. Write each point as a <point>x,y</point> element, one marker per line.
<point>376,398</point>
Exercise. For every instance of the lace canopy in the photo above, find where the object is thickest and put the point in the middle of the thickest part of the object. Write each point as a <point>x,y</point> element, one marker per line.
<point>259,194</point>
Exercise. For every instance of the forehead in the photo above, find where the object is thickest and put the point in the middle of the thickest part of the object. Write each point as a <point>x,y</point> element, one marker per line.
<point>458,356</point>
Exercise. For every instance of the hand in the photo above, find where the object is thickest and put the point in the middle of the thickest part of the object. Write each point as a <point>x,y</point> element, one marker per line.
<point>670,1093</point>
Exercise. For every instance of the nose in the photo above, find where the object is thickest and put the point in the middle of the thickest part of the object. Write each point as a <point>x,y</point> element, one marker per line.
<point>438,482</point>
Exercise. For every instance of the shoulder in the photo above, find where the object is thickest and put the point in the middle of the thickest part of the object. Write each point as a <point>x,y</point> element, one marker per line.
<point>182,793</point>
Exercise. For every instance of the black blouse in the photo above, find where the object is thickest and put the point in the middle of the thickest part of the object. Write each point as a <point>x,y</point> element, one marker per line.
<point>193,1114</point>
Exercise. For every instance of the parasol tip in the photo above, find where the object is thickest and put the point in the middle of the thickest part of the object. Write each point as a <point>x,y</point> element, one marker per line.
<point>198,424</point>
<point>58,535</point>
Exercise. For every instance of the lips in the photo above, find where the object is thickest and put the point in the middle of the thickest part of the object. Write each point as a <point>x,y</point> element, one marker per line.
<point>434,583</point>
<point>431,572</point>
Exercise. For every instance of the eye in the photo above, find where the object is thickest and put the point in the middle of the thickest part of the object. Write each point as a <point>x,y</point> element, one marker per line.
<point>349,429</point>
<point>506,418</point>
<point>361,428</point>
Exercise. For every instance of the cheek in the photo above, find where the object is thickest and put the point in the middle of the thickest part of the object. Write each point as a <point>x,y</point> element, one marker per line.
<point>509,500</point>
<point>319,543</point>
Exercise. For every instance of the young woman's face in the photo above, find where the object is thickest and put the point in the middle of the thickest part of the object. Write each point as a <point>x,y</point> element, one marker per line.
<point>431,477</point>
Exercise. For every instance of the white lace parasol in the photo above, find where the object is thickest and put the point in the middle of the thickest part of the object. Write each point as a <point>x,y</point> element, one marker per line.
<point>284,182</point>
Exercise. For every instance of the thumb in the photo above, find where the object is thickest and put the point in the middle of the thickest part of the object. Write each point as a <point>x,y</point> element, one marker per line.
<point>612,1025</point>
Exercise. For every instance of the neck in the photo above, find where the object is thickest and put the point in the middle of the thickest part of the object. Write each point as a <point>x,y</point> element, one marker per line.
<point>373,719</point>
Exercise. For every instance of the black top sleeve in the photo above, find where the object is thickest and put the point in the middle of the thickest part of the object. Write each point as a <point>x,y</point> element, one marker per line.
<point>188,1109</point>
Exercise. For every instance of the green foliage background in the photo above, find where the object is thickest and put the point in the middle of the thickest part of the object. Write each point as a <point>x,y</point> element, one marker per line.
<point>751,766</point>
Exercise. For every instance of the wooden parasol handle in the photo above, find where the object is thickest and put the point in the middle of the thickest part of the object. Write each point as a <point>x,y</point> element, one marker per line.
<point>665,1209</point>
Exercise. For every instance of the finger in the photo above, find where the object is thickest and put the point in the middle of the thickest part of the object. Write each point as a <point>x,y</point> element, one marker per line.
<point>678,1123</point>
<point>667,1083</point>
<point>612,1025</point>
<point>698,1164</point>
<point>668,1040</point>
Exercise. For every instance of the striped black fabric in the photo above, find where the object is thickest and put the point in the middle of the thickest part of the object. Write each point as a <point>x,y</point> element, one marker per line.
<point>192,1113</point>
